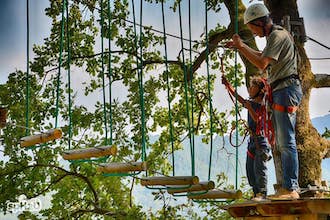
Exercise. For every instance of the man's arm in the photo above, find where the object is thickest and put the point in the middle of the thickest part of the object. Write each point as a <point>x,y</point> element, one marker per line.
<point>255,57</point>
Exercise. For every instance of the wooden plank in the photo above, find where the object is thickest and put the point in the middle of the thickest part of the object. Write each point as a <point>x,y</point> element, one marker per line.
<point>282,208</point>
<point>169,180</point>
<point>218,194</point>
<point>320,206</point>
<point>86,153</point>
<point>201,186</point>
<point>122,167</point>
<point>44,137</point>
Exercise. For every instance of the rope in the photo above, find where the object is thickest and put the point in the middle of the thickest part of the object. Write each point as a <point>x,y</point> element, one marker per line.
<point>60,64</point>
<point>27,68</point>
<point>103,77</point>
<point>141,90</point>
<point>110,71</point>
<point>209,90</point>
<point>168,92</point>
<point>192,92</point>
<point>186,96</point>
<point>236,101</point>
<point>139,70</point>
<point>69,74</point>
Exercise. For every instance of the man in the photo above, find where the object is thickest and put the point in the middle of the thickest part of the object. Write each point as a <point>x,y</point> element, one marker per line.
<point>279,59</point>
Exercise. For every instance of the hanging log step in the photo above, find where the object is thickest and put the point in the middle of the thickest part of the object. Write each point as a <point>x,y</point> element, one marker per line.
<point>218,194</point>
<point>169,181</point>
<point>201,186</point>
<point>86,153</point>
<point>44,137</point>
<point>122,167</point>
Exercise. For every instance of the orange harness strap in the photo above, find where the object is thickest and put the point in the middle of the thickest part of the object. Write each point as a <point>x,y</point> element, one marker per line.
<point>250,154</point>
<point>281,108</point>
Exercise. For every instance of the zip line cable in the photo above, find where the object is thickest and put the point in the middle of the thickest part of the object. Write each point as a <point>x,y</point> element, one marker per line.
<point>323,45</point>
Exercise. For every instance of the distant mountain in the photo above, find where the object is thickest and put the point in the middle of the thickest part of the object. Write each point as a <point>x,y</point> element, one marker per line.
<point>320,123</point>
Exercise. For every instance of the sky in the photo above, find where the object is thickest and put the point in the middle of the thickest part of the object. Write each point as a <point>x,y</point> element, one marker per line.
<point>316,14</point>
<point>13,38</point>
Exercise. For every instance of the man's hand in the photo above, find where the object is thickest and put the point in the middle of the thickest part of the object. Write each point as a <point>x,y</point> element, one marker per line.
<point>235,43</point>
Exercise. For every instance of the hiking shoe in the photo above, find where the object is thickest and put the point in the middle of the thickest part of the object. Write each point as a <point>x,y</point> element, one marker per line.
<point>285,194</point>
<point>259,197</point>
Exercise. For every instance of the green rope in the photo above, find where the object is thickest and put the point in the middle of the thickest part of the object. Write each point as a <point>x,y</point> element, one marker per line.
<point>27,69</point>
<point>60,64</point>
<point>209,90</point>
<point>69,74</point>
<point>168,92</point>
<point>236,102</point>
<point>186,95</point>
<point>139,70</point>
<point>141,90</point>
<point>103,77</point>
<point>192,92</point>
<point>110,71</point>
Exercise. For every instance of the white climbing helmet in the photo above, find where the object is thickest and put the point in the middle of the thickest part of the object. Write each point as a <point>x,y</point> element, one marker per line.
<point>255,11</point>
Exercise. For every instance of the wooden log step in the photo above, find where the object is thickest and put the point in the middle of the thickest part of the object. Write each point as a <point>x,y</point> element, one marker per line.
<point>169,181</point>
<point>86,153</point>
<point>218,194</point>
<point>44,137</point>
<point>122,167</point>
<point>201,186</point>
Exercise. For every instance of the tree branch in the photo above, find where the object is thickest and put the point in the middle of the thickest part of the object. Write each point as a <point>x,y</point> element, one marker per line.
<point>322,81</point>
<point>84,178</point>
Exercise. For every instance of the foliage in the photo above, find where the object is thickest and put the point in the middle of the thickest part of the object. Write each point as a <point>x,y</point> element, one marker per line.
<point>76,189</point>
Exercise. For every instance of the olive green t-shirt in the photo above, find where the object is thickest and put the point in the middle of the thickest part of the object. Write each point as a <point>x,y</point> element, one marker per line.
<point>280,47</point>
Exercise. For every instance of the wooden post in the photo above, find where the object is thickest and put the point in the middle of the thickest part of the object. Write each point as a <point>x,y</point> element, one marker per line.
<point>122,167</point>
<point>201,186</point>
<point>218,194</point>
<point>86,153</point>
<point>169,180</point>
<point>44,137</point>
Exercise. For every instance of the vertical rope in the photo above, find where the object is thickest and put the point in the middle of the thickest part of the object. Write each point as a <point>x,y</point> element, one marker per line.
<point>141,86</point>
<point>168,91</point>
<point>236,103</point>
<point>27,69</point>
<point>110,71</point>
<point>186,96</point>
<point>209,89</point>
<point>139,70</point>
<point>60,64</point>
<point>69,74</point>
<point>103,76</point>
<point>192,91</point>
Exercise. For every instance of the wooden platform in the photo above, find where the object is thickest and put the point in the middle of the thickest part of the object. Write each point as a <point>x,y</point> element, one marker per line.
<point>301,209</point>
